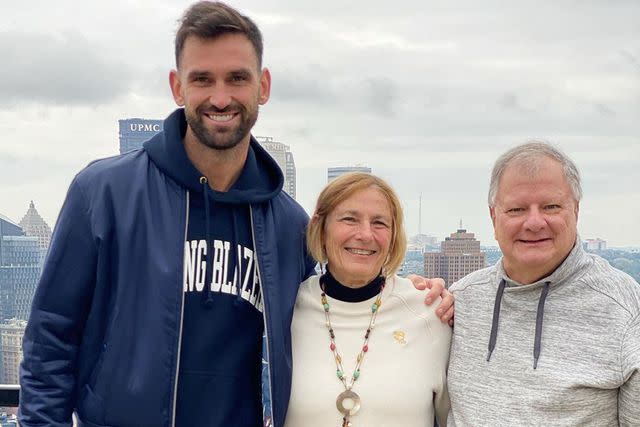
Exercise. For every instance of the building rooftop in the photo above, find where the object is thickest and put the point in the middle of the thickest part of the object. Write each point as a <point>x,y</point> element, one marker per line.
<point>7,219</point>
<point>34,225</point>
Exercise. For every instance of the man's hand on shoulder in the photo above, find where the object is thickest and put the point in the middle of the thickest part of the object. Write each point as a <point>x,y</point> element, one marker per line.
<point>437,289</point>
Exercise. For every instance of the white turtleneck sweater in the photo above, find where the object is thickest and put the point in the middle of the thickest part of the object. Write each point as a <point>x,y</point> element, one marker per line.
<point>403,375</point>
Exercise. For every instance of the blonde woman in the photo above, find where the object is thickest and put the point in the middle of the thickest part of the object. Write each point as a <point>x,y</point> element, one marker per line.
<point>367,351</point>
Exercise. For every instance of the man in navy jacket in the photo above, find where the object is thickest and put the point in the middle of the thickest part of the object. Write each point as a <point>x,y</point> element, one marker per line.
<point>167,295</point>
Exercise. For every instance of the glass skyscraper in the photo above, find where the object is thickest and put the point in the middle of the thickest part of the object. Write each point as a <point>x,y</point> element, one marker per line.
<point>20,265</point>
<point>133,132</point>
<point>281,153</point>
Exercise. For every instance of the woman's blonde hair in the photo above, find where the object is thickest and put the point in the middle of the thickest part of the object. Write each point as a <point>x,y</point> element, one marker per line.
<point>338,191</point>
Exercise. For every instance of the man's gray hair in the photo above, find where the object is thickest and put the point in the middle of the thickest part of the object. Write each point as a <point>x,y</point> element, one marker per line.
<point>527,155</point>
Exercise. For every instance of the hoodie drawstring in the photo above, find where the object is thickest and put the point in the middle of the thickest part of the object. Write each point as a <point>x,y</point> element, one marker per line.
<point>539,320</point>
<point>234,252</point>
<point>208,294</point>
<point>539,317</point>
<point>496,317</point>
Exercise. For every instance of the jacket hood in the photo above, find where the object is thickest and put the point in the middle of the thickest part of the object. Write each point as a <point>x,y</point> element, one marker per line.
<point>260,180</point>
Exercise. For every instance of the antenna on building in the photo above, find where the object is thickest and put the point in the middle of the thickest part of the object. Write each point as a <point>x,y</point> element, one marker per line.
<point>460,228</point>
<point>420,214</point>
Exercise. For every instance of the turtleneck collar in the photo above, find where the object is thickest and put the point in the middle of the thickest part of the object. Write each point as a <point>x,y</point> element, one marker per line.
<point>338,291</point>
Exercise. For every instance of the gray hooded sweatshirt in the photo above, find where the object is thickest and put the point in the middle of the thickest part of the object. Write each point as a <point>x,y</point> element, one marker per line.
<point>563,351</point>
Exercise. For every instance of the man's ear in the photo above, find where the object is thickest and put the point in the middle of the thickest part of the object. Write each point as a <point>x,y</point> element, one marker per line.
<point>176,87</point>
<point>265,86</point>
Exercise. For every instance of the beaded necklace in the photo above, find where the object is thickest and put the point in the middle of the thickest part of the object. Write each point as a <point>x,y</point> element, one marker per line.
<point>348,402</point>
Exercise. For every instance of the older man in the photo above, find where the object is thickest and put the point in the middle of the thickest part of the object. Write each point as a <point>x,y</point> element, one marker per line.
<point>550,335</point>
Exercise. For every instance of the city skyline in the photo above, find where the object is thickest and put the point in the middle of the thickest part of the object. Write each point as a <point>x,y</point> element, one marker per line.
<point>590,243</point>
<point>411,225</point>
<point>427,96</point>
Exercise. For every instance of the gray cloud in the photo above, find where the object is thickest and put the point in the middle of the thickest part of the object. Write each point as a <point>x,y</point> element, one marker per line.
<point>380,96</point>
<point>58,69</point>
<point>40,168</point>
<point>604,110</point>
<point>631,58</point>
<point>298,85</point>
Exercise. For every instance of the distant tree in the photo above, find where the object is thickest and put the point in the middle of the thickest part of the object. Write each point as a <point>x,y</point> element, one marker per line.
<point>629,262</point>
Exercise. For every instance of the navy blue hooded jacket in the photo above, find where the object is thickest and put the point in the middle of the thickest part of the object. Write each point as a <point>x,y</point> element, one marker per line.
<point>105,329</point>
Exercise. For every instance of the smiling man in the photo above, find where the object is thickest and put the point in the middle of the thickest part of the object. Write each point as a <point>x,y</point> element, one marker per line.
<point>167,294</point>
<point>550,335</point>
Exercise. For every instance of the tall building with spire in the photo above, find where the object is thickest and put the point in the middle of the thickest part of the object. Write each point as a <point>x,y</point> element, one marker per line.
<point>459,255</point>
<point>283,156</point>
<point>34,225</point>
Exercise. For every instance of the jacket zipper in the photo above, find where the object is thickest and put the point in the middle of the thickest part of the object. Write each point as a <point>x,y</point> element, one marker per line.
<point>175,382</point>
<point>264,317</point>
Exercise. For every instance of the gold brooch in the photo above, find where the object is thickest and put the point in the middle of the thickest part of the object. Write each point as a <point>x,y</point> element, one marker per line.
<point>400,337</point>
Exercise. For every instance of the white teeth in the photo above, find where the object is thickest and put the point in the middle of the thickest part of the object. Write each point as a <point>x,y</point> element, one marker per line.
<point>361,251</point>
<point>220,118</point>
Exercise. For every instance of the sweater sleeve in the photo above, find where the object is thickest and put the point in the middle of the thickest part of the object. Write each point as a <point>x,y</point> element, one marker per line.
<point>629,394</point>
<point>58,315</point>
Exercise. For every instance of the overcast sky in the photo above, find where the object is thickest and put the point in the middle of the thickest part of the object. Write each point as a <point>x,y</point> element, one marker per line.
<point>427,93</point>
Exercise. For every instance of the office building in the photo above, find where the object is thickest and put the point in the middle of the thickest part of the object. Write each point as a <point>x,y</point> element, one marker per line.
<point>459,255</point>
<point>11,333</point>
<point>20,265</point>
<point>333,173</point>
<point>281,153</point>
<point>8,420</point>
<point>595,245</point>
<point>133,132</point>
<point>33,225</point>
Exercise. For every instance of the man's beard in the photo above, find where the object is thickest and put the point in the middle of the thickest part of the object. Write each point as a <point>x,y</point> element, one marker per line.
<point>228,138</point>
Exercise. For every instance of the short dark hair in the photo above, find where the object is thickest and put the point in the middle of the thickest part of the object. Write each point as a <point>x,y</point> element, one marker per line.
<point>209,20</point>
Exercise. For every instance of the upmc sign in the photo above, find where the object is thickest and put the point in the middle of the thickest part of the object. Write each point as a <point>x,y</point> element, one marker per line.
<point>138,126</point>
<point>134,132</point>
<point>145,127</point>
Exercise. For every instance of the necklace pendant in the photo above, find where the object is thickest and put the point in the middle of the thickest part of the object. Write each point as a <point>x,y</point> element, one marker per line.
<point>348,403</point>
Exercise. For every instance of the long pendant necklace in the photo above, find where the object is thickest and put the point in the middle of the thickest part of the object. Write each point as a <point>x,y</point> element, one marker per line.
<point>348,402</point>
